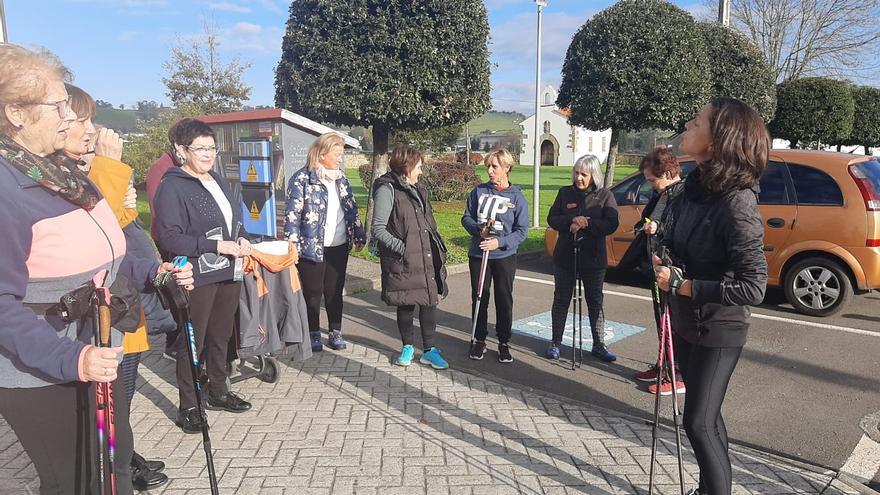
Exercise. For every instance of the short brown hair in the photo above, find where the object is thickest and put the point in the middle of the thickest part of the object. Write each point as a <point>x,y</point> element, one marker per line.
<point>185,131</point>
<point>741,147</point>
<point>23,77</point>
<point>500,156</point>
<point>660,161</point>
<point>403,159</point>
<point>81,102</point>
<point>321,146</point>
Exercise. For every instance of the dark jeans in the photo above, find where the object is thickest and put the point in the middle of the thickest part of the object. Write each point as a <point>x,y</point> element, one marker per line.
<point>501,271</point>
<point>212,310</point>
<point>56,426</point>
<point>427,323</point>
<point>325,279</point>
<point>706,372</point>
<point>593,280</point>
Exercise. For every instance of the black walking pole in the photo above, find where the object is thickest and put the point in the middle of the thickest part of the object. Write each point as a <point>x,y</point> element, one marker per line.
<point>176,299</point>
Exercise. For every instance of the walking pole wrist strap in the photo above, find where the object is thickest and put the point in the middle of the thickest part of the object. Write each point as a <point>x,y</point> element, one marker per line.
<point>676,279</point>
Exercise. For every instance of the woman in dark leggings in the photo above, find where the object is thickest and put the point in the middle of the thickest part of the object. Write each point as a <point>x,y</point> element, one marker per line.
<point>714,269</point>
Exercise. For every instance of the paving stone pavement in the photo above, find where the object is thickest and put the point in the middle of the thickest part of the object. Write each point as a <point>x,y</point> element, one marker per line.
<point>350,422</point>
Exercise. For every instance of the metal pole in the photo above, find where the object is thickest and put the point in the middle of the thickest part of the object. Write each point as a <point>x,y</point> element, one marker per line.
<point>724,12</point>
<point>467,145</point>
<point>536,194</point>
<point>3,35</point>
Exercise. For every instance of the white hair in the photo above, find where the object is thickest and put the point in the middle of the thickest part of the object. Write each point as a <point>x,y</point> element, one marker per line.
<point>591,164</point>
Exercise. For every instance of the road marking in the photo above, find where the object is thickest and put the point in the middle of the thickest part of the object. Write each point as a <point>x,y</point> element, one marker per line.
<point>864,462</point>
<point>760,316</point>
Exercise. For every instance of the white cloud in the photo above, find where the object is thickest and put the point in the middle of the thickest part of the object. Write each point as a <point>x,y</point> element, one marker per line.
<point>247,37</point>
<point>279,6</point>
<point>230,7</point>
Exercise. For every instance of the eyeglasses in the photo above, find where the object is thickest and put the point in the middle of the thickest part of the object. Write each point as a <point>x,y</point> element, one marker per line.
<point>63,106</point>
<point>202,150</point>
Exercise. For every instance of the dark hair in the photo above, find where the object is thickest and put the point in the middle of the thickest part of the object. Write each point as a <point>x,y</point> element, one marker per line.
<point>660,161</point>
<point>404,159</point>
<point>741,146</point>
<point>81,102</point>
<point>185,131</point>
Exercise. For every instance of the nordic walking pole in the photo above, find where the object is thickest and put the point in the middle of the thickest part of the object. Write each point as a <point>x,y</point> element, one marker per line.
<point>186,329</point>
<point>676,414</point>
<point>480,281</point>
<point>104,412</point>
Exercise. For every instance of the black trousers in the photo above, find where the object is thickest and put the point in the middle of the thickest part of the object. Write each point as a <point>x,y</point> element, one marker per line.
<point>593,280</point>
<point>706,372</point>
<point>212,310</point>
<point>56,426</point>
<point>128,369</point>
<point>327,279</point>
<point>427,323</point>
<point>500,271</point>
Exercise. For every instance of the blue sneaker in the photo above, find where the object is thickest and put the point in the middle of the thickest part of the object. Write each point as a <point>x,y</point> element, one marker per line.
<point>553,351</point>
<point>335,341</point>
<point>602,352</point>
<point>315,337</point>
<point>434,358</point>
<point>406,355</point>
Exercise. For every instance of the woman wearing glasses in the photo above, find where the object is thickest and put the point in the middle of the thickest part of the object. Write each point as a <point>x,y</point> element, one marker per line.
<point>196,217</point>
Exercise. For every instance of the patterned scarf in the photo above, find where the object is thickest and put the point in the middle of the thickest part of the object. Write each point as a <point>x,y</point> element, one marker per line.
<point>56,172</point>
<point>328,174</point>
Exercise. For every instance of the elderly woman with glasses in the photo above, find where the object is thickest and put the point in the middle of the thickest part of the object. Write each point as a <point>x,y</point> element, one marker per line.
<point>583,213</point>
<point>196,216</point>
<point>59,235</point>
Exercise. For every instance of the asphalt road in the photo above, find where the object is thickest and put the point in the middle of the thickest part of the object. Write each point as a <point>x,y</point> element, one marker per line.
<point>799,390</point>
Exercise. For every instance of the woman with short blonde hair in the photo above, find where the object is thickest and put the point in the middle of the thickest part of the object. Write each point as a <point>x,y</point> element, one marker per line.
<point>323,222</point>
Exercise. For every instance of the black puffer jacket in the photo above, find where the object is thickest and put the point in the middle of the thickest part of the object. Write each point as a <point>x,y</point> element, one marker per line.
<point>718,240</point>
<point>419,276</point>
<point>599,206</point>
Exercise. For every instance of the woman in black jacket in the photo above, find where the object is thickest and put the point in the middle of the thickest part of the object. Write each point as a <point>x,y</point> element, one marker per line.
<point>716,268</point>
<point>196,217</point>
<point>411,253</point>
<point>584,212</point>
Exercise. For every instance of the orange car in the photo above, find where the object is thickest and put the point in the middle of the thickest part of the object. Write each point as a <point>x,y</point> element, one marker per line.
<point>821,214</point>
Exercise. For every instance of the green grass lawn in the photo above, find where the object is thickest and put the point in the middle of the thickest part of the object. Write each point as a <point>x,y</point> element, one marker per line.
<point>448,214</point>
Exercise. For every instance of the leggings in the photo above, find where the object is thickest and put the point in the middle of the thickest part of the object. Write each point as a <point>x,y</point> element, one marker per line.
<point>327,279</point>
<point>427,322</point>
<point>706,372</point>
<point>501,271</point>
<point>593,279</point>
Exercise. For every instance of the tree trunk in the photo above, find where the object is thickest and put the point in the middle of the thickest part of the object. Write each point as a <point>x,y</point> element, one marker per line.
<point>867,149</point>
<point>379,167</point>
<point>612,156</point>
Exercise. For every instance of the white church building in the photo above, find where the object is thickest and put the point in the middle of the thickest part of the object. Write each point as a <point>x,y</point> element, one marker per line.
<point>561,143</point>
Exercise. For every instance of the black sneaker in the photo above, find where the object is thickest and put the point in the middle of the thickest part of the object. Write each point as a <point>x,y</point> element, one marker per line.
<point>477,350</point>
<point>138,462</point>
<point>189,420</point>
<point>229,402</point>
<point>144,479</point>
<point>504,354</point>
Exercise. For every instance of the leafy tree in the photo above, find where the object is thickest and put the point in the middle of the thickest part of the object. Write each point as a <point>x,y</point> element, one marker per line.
<point>103,104</point>
<point>151,139</point>
<point>391,65</point>
<point>635,65</point>
<point>813,110</point>
<point>148,109</point>
<point>196,76</point>
<point>436,139</point>
<point>866,118</point>
<point>739,69</point>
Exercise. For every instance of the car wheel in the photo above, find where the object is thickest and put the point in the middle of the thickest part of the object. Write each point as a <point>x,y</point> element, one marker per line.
<point>817,287</point>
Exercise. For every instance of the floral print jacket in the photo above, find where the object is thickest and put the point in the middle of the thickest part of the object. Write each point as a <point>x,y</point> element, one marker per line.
<point>307,213</point>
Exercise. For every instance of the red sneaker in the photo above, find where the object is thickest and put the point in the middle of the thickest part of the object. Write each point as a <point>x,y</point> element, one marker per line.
<point>666,387</point>
<point>649,375</point>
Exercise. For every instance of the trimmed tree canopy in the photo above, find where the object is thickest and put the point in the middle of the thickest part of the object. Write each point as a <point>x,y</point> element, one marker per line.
<point>405,65</point>
<point>638,64</point>
<point>739,70</point>
<point>866,118</point>
<point>813,110</point>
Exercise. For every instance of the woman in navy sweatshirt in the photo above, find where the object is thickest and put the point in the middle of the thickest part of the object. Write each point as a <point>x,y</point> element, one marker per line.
<point>497,218</point>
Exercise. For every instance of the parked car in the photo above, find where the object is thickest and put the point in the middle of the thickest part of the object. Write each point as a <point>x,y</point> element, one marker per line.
<point>821,214</point>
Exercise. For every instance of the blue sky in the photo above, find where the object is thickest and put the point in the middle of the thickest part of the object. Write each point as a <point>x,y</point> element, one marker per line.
<point>116,47</point>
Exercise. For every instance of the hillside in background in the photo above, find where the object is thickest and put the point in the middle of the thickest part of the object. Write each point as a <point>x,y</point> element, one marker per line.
<point>496,121</point>
<point>123,121</point>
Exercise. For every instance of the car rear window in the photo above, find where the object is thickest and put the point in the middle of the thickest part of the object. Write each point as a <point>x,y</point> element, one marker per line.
<point>814,187</point>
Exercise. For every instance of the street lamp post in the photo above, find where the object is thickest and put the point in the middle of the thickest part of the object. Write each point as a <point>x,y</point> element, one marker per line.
<point>4,37</point>
<point>536,194</point>
<point>724,12</point>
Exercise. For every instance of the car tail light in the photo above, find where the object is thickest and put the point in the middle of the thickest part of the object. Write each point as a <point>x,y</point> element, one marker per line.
<point>873,243</point>
<point>866,186</point>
